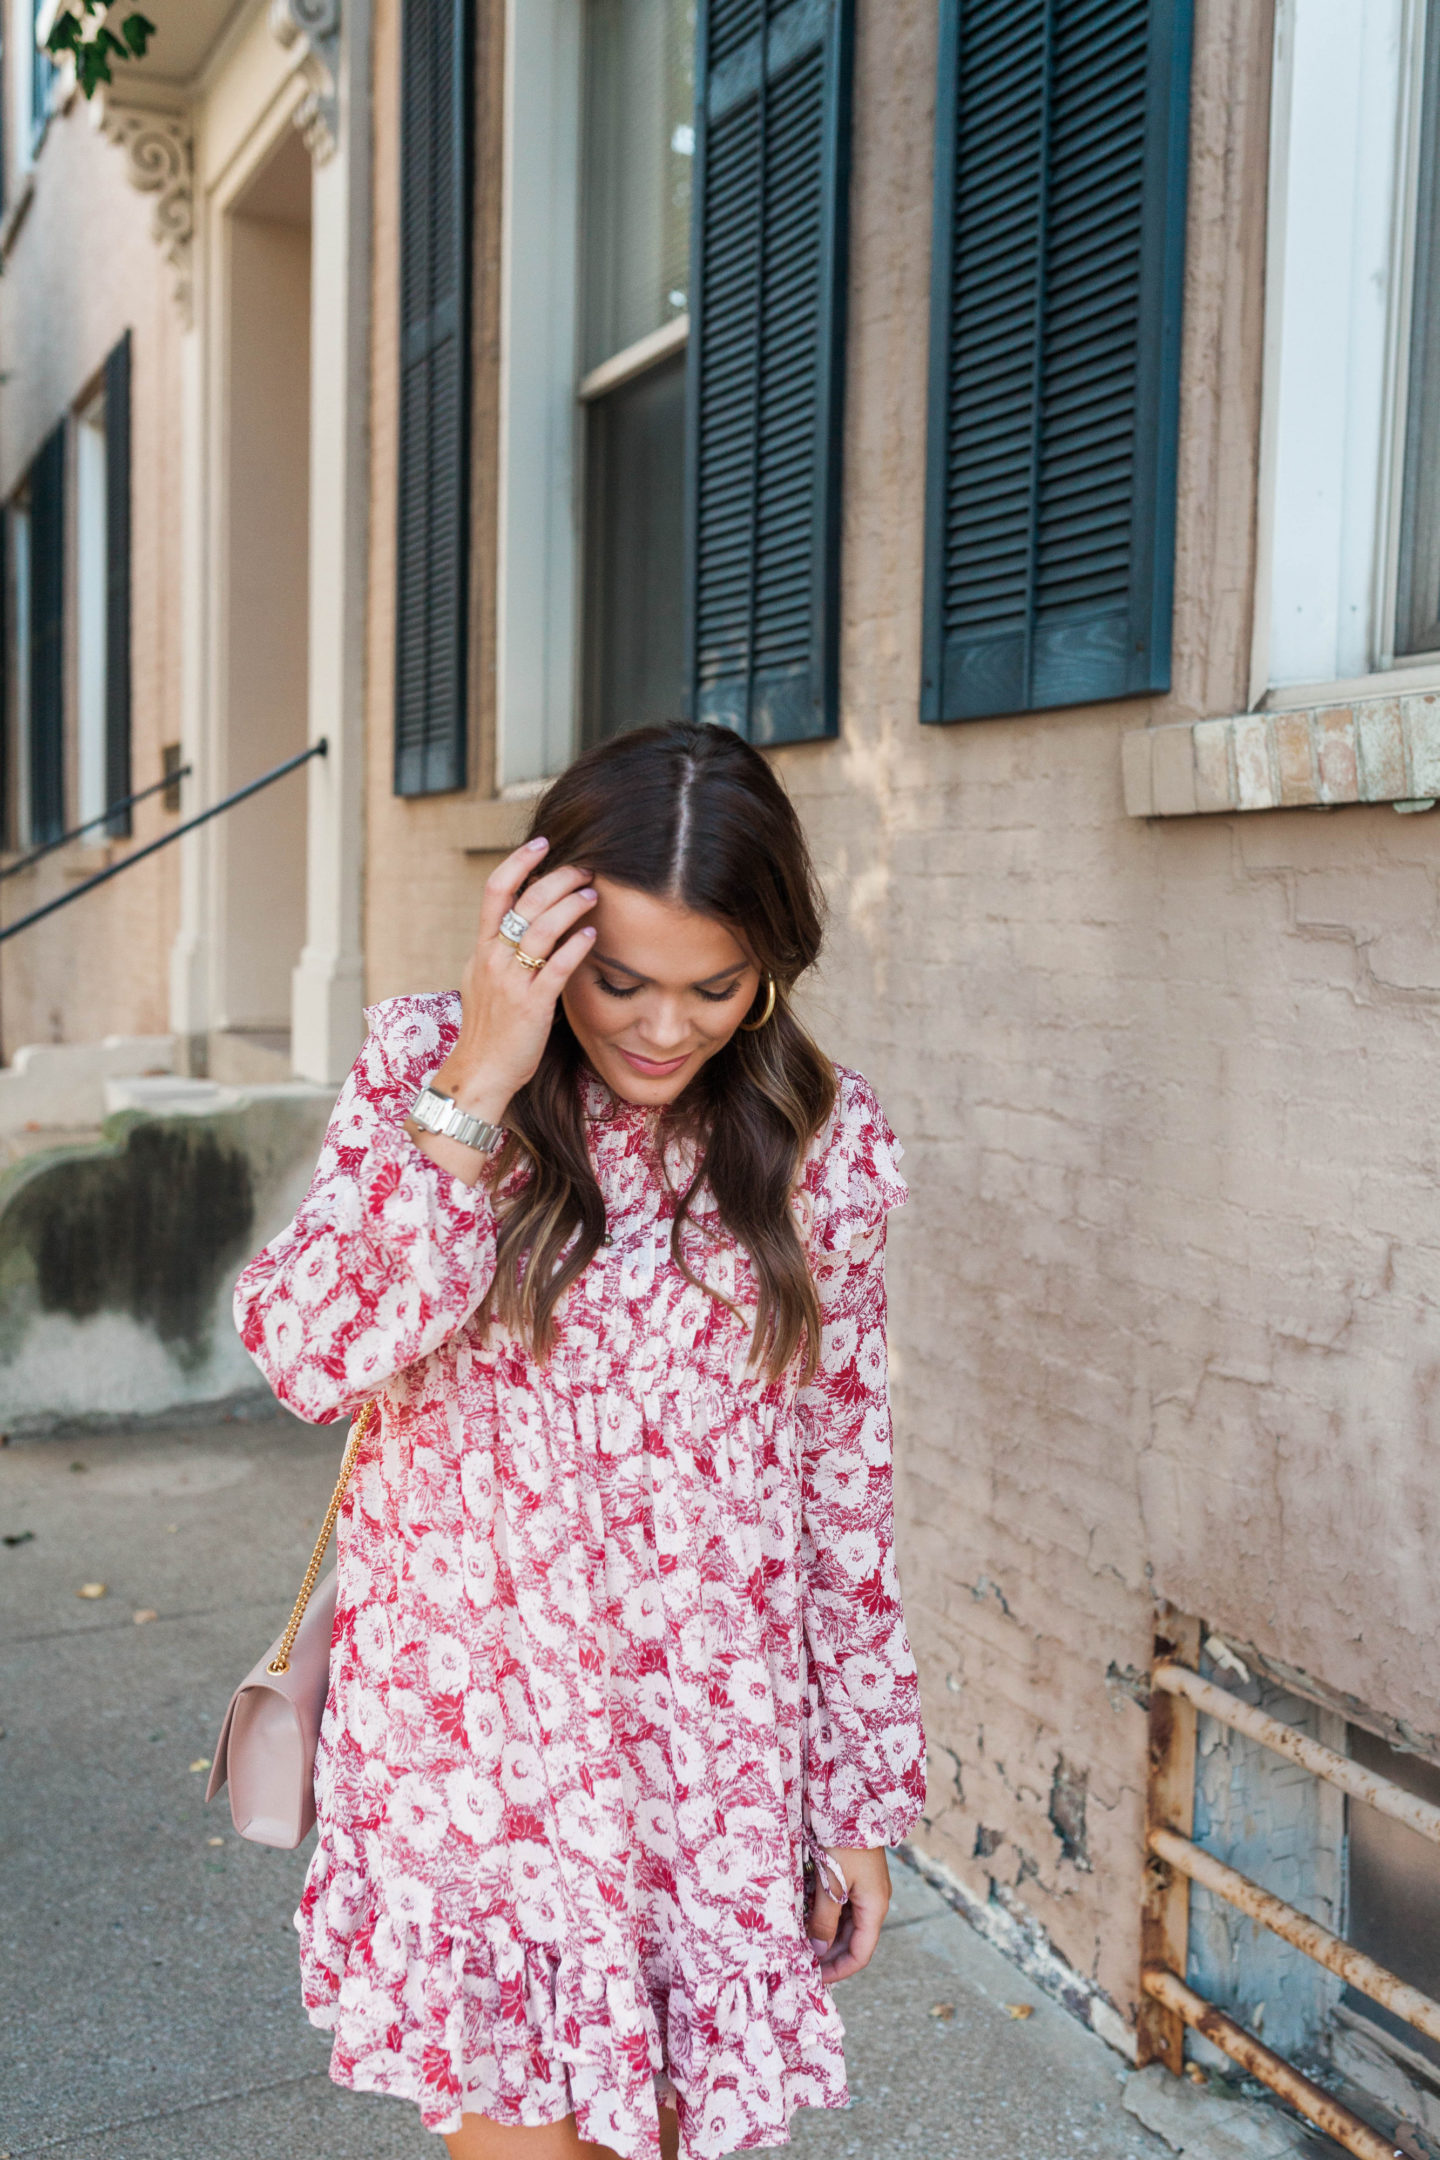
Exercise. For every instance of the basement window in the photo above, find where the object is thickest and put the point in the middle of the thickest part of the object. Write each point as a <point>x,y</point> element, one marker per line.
<point>1394,1889</point>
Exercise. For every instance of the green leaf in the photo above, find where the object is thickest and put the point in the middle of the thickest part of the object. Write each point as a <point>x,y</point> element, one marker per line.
<point>137,31</point>
<point>92,48</point>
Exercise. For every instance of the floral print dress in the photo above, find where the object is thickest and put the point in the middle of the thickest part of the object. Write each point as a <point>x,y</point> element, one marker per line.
<point>618,1638</point>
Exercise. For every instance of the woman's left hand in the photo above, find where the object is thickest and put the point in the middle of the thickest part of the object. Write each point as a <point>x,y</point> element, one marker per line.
<point>843,1935</point>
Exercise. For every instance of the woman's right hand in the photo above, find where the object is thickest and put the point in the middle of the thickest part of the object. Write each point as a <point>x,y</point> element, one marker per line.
<point>506,1008</point>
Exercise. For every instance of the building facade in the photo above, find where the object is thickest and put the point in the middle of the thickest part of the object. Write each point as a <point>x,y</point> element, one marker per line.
<point>1021,419</point>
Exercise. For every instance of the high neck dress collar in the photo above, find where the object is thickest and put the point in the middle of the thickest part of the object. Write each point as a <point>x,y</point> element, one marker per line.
<point>602,1106</point>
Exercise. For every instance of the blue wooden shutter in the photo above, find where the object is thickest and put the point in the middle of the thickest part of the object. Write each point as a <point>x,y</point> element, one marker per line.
<point>47,639</point>
<point>117,583</point>
<point>766,365</point>
<point>1061,165</point>
<point>432,570</point>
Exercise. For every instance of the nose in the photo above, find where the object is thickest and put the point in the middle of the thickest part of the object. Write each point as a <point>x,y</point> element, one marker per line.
<point>665,1028</point>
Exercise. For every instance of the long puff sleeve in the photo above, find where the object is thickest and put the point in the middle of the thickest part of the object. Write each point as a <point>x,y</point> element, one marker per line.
<point>388,1254</point>
<point>865,1745</point>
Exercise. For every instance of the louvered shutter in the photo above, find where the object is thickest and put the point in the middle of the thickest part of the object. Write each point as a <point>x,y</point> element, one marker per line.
<point>436,104</point>
<point>47,639</point>
<point>117,583</point>
<point>1061,165</point>
<point>766,365</point>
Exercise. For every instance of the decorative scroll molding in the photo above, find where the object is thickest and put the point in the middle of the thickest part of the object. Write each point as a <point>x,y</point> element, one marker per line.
<point>159,161</point>
<point>1371,750</point>
<point>313,28</point>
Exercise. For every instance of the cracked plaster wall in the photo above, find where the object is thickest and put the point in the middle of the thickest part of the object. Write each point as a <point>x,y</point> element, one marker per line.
<point>1163,1298</point>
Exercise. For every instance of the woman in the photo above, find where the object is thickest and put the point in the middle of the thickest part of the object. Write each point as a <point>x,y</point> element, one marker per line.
<point>618,1648</point>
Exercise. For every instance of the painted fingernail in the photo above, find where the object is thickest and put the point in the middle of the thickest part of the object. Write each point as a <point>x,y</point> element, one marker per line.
<point>819,1948</point>
<point>535,845</point>
<point>588,892</point>
<point>588,931</point>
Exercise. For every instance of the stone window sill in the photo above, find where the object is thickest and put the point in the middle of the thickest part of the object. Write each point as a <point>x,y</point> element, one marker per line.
<point>1372,750</point>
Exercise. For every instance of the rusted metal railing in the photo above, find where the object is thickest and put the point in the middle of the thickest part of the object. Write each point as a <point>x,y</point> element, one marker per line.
<point>1168,2006</point>
<point>1326,2112</point>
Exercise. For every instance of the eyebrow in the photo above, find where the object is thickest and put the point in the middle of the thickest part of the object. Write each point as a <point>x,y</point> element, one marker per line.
<point>721,974</point>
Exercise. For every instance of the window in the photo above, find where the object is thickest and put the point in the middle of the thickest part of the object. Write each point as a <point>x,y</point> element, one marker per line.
<point>1061,169</point>
<point>42,71</point>
<point>1350,505</point>
<point>432,552</point>
<point>670,430</point>
<point>599,153</point>
<point>43,716</point>
<point>102,596</point>
<point>1394,1889</point>
<point>1417,596</point>
<point>17,763</point>
<point>90,610</point>
<point>637,159</point>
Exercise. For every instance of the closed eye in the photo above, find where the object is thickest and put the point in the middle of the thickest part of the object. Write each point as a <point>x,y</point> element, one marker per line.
<point>629,990</point>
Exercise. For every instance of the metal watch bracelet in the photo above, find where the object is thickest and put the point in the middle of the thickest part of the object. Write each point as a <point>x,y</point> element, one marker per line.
<point>436,1112</point>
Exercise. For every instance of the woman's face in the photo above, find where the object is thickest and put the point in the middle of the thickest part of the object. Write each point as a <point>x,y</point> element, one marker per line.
<point>663,990</point>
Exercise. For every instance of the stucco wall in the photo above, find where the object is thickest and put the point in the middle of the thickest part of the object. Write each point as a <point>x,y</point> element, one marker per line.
<point>81,270</point>
<point>1163,1301</point>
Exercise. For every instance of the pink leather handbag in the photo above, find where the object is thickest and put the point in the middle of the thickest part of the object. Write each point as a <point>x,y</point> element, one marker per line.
<point>266,1748</point>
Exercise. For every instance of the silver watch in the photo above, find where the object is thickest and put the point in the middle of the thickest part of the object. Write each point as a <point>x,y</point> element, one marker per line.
<point>440,1113</point>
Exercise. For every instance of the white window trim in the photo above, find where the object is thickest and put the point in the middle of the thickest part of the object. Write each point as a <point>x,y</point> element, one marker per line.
<point>538,596</point>
<point>1342,177</point>
<point>90,610</point>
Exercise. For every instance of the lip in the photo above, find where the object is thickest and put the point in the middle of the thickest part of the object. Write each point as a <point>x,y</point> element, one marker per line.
<point>654,1068</point>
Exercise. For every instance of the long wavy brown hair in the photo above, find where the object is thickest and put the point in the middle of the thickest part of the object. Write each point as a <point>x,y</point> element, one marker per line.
<point>691,814</point>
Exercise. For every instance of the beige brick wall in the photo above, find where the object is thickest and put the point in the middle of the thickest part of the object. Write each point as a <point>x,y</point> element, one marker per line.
<point>82,269</point>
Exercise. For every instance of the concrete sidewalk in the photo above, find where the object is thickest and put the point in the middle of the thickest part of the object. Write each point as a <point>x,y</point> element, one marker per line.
<point>147,1959</point>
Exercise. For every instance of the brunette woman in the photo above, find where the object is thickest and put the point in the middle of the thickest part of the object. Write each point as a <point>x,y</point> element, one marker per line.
<point>619,1663</point>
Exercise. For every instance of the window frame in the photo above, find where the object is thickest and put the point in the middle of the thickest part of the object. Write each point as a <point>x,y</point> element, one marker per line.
<point>1360,448</point>
<point>545,398</point>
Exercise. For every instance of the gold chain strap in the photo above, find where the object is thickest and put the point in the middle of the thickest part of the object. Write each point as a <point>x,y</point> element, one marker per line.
<point>281,1661</point>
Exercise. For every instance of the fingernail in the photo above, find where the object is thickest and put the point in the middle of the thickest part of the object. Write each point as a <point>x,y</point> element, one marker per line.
<point>589,930</point>
<point>588,892</point>
<point>819,1948</point>
<point>536,845</point>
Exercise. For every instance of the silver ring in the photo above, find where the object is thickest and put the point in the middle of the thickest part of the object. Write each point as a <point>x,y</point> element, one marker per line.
<point>513,926</point>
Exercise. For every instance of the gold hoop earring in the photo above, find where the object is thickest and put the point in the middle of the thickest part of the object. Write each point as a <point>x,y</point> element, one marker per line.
<point>752,1027</point>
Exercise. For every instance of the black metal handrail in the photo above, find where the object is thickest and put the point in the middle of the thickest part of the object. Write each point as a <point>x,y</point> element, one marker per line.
<point>228,802</point>
<point>113,810</point>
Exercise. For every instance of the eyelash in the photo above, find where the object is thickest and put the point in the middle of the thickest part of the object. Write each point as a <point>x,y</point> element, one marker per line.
<point>711,997</point>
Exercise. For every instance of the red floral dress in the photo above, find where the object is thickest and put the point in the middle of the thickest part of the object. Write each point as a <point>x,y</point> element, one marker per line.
<point>618,1638</point>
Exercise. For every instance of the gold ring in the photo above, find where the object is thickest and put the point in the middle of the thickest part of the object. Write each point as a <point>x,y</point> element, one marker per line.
<point>526,960</point>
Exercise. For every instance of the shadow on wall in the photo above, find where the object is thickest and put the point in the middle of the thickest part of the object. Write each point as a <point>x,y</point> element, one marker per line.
<point>117,1259</point>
